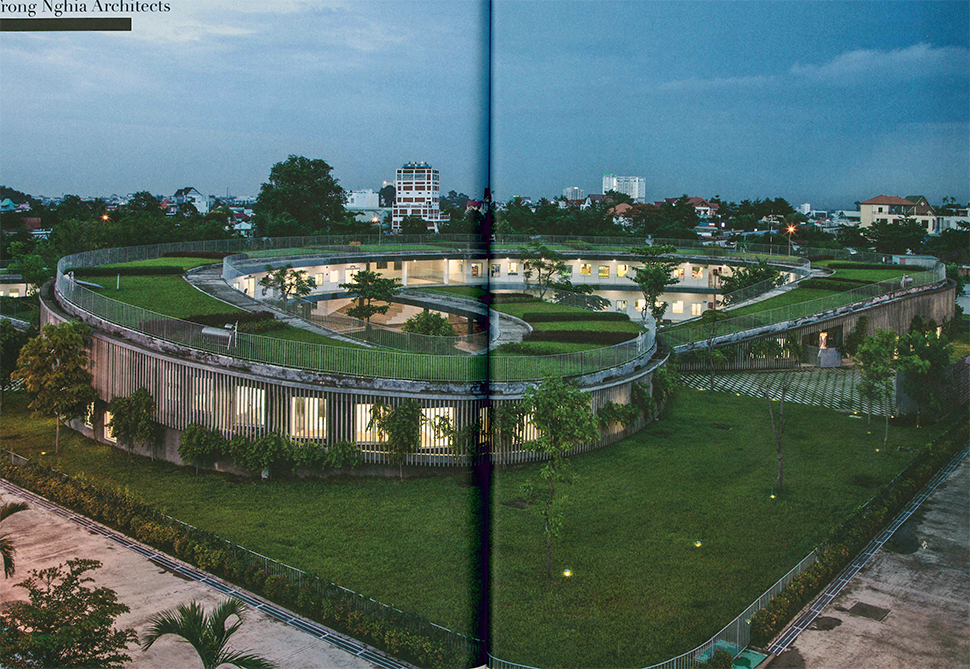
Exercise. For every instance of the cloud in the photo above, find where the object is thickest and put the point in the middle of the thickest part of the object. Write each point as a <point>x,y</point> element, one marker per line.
<point>914,62</point>
<point>692,84</point>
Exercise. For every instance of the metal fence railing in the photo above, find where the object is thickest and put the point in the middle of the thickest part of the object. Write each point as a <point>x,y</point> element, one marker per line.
<point>390,337</point>
<point>367,363</point>
<point>680,336</point>
<point>733,637</point>
<point>467,646</point>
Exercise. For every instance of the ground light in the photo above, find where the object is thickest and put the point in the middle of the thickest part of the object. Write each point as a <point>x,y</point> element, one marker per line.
<point>697,544</point>
<point>567,572</point>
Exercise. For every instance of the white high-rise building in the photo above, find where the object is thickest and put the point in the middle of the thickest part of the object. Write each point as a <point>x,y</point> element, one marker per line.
<point>635,187</point>
<point>416,193</point>
<point>573,193</point>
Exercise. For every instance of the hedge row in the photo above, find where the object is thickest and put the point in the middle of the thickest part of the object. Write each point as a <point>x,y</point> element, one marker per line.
<point>840,285</point>
<point>209,255</point>
<point>856,533</point>
<point>156,270</point>
<point>392,631</point>
<point>580,337</point>
<point>512,298</point>
<point>859,265</point>
<point>546,317</point>
<point>226,317</point>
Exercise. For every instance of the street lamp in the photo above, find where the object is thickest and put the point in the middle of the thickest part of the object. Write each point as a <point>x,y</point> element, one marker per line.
<point>791,229</point>
<point>380,229</point>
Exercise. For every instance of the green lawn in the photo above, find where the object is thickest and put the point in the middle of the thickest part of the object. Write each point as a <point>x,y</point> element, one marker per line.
<point>169,294</point>
<point>184,263</point>
<point>795,296</point>
<point>640,592</point>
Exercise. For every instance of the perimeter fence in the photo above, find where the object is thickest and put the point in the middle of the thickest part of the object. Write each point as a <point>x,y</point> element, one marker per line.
<point>464,645</point>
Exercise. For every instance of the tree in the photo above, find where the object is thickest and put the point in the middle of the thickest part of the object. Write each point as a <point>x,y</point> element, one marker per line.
<point>545,264</point>
<point>144,201</point>
<point>131,420</point>
<point>306,190</point>
<point>777,430</point>
<point>413,225</point>
<point>288,281</point>
<point>207,634</point>
<point>7,509</point>
<point>875,358</point>
<point>368,287</point>
<point>402,427</point>
<point>923,358</point>
<point>429,323</point>
<point>654,277</point>
<point>12,341</point>
<point>744,277</point>
<point>53,366</point>
<point>386,195</point>
<point>64,623</point>
<point>896,237</point>
<point>564,419</point>
<point>714,357</point>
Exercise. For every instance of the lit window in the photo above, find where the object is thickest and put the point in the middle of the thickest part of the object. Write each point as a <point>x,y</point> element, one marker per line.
<point>586,269</point>
<point>604,272</point>
<point>476,270</point>
<point>621,270</point>
<point>362,419</point>
<point>318,279</point>
<point>621,305</point>
<point>697,273</point>
<point>641,304</point>
<point>678,273</point>
<point>678,307</point>
<point>513,269</point>
<point>308,418</point>
<point>496,269</point>
<point>334,276</point>
<point>429,415</point>
<point>696,308</point>
<point>88,418</point>
<point>109,434</point>
<point>250,406</point>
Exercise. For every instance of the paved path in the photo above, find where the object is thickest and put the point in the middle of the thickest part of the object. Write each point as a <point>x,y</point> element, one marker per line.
<point>909,606</point>
<point>47,537</point>
<point>831,388</point>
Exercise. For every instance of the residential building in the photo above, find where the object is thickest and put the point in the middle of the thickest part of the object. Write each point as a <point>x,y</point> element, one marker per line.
<point>892,209</point>
<point>951,222</point>
<point>417,193</point>
<point>190,195</point>
<point>363,199</point>
<point>705,210</point>
<point>574,193</point>
<point>635,187</point>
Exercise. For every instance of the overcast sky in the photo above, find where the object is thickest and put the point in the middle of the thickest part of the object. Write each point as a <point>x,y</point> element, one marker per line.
<point>823,102</point>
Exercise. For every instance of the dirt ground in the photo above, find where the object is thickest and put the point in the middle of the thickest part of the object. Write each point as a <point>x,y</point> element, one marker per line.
<point>910,606</point>
<point>43,539</point>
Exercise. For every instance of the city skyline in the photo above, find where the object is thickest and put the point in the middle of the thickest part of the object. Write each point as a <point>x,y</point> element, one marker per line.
<point>828,103</point>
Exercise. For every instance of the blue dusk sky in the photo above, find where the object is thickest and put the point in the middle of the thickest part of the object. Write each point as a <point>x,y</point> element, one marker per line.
<point>823,102</point>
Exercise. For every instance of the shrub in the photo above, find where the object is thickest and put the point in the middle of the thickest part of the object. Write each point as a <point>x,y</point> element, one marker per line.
<point>546,317</point>
<point>156,270</point>
<point>597,337</point>
<point>209,255</point>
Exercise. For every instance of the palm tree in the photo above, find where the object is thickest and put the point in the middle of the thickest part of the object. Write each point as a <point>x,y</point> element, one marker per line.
<point>6,543</point>
<point>207,634</point>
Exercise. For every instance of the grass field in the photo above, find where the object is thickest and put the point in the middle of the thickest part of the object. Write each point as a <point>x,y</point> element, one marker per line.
<point>640,591</point>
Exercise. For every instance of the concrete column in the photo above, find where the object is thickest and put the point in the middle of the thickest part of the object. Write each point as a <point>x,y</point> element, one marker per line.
<point>447,268</point>
<point>404,273</point>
